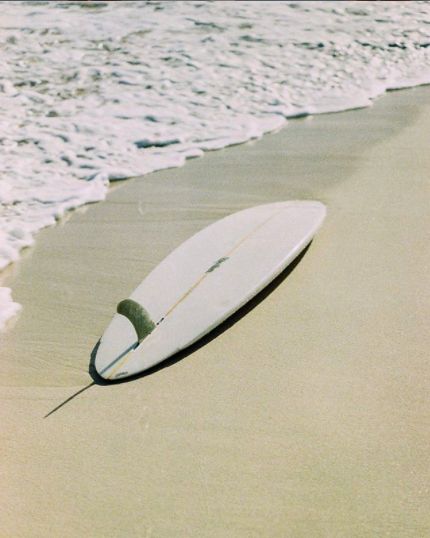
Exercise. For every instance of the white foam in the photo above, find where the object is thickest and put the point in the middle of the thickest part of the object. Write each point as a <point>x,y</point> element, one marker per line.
<point>8,307</point>
<point>91,92</point>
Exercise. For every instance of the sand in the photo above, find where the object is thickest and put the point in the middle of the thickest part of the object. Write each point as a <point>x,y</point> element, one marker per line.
<point>306,417</point>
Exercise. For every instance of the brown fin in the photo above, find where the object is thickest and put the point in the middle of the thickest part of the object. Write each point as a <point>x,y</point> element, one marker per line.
<point>138,316</point>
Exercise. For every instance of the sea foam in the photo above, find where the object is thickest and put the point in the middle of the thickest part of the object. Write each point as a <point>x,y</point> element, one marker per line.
<point>92,92</point>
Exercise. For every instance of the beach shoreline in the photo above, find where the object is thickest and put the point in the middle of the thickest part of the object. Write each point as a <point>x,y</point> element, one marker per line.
<point>307,417</point>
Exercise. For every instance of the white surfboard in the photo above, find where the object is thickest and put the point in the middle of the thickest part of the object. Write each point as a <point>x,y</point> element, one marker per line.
<point>201,283</point>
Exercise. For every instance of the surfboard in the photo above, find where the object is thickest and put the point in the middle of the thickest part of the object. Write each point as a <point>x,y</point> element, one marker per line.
<point>204,281</point>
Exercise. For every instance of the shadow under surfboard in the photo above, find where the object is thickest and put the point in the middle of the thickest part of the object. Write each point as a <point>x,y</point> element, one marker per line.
<point>217,331</point>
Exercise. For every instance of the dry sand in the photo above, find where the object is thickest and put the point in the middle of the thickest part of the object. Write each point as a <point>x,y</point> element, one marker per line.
<point>307,417</point>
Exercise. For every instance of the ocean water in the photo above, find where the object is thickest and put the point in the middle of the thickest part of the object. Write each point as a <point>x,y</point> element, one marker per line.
<point>93,92</point>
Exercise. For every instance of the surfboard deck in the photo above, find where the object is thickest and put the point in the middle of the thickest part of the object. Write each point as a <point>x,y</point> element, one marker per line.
<point>205,280</point>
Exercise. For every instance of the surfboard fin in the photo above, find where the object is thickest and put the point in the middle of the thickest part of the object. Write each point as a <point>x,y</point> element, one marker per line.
<point>138,316</point>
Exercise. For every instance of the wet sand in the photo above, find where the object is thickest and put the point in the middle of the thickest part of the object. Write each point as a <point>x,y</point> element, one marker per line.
<point>307,416</point>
